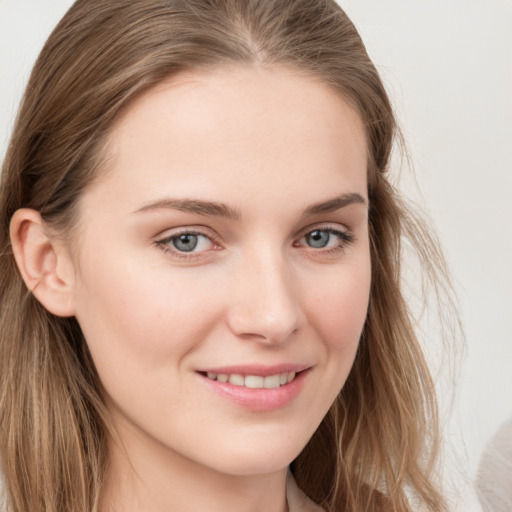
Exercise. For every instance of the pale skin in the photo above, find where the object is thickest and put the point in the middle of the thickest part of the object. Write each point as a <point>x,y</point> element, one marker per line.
<point>262,173</point>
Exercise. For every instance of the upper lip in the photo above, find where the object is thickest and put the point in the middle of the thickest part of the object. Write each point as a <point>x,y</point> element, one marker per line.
<point>259,370</point>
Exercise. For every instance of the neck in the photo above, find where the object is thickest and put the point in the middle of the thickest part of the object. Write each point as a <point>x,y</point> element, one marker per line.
<point>154,478</point>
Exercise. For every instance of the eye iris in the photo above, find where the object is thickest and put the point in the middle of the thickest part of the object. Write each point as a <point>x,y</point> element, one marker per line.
<point>318,239</point>
<point>185,243</point>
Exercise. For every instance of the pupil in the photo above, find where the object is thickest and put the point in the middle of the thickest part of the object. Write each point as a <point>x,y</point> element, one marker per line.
<point>185,243</point>
<point>318,239</point>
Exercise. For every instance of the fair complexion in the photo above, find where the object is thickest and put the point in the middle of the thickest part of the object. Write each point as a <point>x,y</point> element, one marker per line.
<point>226,240</point>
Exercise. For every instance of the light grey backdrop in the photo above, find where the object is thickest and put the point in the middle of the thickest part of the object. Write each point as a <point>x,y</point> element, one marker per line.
<point>448,67</point>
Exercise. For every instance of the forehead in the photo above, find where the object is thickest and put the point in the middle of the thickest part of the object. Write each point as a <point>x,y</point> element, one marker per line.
<point>222,129</point>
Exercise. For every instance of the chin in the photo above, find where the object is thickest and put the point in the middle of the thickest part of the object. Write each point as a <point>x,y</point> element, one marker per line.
<point>261,457</point>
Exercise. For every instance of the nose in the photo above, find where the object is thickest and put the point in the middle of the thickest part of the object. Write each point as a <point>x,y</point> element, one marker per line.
<point>265,305</point>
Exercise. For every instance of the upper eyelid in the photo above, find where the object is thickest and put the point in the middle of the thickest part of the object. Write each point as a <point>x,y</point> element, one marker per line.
<point>347,236</point>
<point>208,232</point>
<point>334,226</point>
<point>164,240</point>
<point>165,243</point>
<point>183,230</point>
<point>329,229</point>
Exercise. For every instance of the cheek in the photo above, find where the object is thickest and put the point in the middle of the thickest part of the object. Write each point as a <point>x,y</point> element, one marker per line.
<point>337,313</point>
<point>132,318</point>
<point>339,306</point>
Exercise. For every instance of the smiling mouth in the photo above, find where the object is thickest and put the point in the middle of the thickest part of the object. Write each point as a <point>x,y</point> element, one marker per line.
<point>253,381</point>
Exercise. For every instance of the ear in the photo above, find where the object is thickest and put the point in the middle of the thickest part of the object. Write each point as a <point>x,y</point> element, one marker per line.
<point>43,261</point>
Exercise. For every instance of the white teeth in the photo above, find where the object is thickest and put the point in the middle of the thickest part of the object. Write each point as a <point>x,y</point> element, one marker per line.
<point>272,381</point>
<point>236,380</point>
<point>254,381</point>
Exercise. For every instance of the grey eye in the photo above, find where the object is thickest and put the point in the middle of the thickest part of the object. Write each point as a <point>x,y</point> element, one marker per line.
<point>318,239</point>
<point>185,243</point>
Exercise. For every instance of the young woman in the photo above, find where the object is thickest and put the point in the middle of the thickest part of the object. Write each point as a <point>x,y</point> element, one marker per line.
<point>200,270</point>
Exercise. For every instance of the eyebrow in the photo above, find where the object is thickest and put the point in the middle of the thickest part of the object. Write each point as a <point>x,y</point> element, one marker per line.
<point>212,208</point>
<point>192,206</point>
<point>334,204</point>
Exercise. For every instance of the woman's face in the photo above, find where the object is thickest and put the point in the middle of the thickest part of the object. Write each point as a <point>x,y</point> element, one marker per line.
<point>227,240</point>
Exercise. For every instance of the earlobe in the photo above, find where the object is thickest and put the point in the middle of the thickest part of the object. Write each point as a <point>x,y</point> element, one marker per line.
<point>43,262</point>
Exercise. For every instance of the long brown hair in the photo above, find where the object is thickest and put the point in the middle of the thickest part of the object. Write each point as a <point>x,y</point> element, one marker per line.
<point>377,446</point>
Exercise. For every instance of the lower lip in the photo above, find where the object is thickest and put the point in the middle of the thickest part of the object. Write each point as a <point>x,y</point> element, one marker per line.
<point>261,399</point>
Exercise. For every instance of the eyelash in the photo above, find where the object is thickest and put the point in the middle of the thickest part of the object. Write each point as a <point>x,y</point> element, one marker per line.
<point>165,244</point>
<point>345,238</point>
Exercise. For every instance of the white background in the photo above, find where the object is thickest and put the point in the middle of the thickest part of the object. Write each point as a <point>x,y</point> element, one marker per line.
<point>448,67</point>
